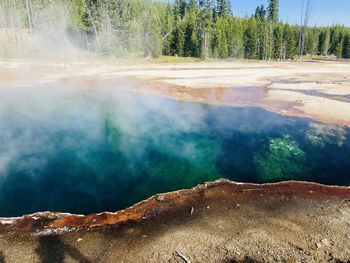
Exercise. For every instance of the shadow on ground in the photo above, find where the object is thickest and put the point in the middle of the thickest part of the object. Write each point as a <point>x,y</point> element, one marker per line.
<point>244,260</point>
<point>52,250</point>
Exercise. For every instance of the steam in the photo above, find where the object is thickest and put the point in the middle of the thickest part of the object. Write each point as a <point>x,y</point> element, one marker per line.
<point>31,28</point>
<point>38,29</point>
<point>83,151</point>
<point>60,135</point>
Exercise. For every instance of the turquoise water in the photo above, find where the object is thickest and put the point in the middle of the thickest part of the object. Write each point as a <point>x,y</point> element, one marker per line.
<point>104,150</point>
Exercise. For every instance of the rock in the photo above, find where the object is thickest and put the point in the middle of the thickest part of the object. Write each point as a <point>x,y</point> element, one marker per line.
<point>161,198</point>
<point>326,242</point>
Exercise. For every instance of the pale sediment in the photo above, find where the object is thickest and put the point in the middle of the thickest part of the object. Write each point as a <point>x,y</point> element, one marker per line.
<point>318,90</point>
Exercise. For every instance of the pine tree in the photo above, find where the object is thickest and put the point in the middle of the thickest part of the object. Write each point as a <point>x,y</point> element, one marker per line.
<point>339,50</point>
<point>191,45</point>
<point>290,39</point>
<point>324,40</point>
<point>235,37</point>
<point>167,29</point>
<point>180,8</point>
<point>260,12</point>
<point>152,45</point>
<point>223,8</point>
<point>273,16</point>
<point>278,46</point>
<point>346,46</point>
<point>262,37</point>
<point>206,23</point>
<point>311,42</point>
<point>251,39</point>
<point>197,28</point>
<point>335,39</point>
<point>178,39</point>
<point>221,34</point>
<point>273,11</point>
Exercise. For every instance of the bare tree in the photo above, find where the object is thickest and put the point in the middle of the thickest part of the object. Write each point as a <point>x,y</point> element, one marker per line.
<point>3,20</point>
<point>18,21</point>
<point>304,24</point>
<point>95,29</point>
<point>29,16</point>
<point>266,42</point>
<point>271,38</point>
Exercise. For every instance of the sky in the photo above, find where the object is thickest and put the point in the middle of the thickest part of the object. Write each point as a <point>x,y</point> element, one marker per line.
<point>324,12</point>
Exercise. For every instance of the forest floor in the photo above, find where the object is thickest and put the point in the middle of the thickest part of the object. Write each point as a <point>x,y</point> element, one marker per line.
<point>319,90</point>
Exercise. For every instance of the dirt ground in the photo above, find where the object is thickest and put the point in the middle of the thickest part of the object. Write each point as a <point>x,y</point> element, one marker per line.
<point>319,90</point>
<point>216,222</point>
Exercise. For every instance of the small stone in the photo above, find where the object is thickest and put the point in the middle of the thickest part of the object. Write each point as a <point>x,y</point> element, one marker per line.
<point>318,245</point>
<point>208,207</point>
<point>325,241</point>
<point>192,210</point>
<point>238,205</point>
<point>161,198</point>
<point>79,239</point>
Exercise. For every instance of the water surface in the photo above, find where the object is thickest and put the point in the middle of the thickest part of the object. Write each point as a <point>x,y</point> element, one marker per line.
<point>103,150</point>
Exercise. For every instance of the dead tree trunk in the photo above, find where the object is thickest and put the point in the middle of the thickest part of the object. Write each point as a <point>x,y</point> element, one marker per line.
<point>29,16</point>
<point>266,41</point>
<point>3,20</point>
<point>95,30</point>
<point>271,39</point>
<point>304,27</point>
<point>206,48</point>
<point>18,23</point>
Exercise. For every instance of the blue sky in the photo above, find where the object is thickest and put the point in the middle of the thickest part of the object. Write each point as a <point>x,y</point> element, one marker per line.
<point>324,12</point>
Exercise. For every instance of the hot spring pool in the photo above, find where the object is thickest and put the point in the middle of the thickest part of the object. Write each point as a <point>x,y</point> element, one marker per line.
<point>84,151</point>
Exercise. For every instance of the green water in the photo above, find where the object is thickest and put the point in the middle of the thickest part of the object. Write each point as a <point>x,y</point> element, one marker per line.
<point>104,150</point>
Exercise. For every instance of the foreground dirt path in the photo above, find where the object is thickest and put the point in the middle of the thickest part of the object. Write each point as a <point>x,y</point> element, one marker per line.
<point>215,222</point>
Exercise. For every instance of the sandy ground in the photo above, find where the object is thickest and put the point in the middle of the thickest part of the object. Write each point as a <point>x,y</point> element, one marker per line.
<point>217,222</point>
<point>319,90</point>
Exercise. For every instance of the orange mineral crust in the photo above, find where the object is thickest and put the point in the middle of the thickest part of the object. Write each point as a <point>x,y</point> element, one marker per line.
<point>221,194</point>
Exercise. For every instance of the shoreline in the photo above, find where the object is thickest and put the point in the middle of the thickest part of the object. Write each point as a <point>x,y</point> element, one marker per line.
<point>144,209</point>
<point>320,91</point>
<point>306,221</point>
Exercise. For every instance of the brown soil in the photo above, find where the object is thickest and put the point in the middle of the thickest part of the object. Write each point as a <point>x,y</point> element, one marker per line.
<point>215,222</point>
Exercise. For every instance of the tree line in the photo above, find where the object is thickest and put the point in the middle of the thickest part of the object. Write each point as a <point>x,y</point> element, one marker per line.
<point>186,28</point>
